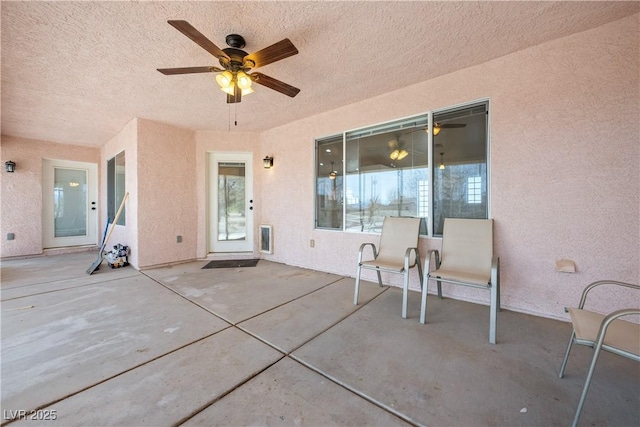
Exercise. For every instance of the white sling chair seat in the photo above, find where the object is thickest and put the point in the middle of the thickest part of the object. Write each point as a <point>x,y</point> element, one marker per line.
<point>467,259</point>
<point>398,252</point>
<point>601,332</point>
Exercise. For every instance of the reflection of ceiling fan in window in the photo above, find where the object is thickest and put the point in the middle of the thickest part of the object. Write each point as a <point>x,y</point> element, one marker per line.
<point>398,150</point>
<point>234,78</point>
<point>437,127</point>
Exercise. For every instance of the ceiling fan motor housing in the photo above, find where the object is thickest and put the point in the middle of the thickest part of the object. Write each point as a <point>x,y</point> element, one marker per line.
<point>236,60</point>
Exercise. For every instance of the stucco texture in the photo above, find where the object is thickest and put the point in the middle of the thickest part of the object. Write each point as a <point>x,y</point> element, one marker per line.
<point>564,167</point>
<point>126,140</point>
<point>22,190</point>
<point>167,205</point>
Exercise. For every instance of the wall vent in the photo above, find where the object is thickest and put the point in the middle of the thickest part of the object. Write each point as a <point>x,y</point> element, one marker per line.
<point>266,239</point>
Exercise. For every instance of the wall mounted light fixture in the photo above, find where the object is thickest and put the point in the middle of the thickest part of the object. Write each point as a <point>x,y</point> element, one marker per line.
<point>10,166</point>
<point>268,162</point>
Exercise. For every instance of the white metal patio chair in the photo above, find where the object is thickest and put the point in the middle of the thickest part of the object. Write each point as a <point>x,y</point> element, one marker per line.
<point>467,259</point>
<point>602,332</point>
<point>397,253</point>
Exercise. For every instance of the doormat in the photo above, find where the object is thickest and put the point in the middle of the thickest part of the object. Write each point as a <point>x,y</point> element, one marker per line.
<point>232,263</point>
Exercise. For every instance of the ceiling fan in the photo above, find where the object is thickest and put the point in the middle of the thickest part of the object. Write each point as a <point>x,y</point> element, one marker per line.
<point>234,77</point>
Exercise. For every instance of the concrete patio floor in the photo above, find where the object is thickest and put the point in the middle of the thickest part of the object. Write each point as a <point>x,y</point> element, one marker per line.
<point>279,345</point>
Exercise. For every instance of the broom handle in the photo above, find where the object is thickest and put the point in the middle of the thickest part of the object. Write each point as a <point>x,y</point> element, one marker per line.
<point>115,220</point>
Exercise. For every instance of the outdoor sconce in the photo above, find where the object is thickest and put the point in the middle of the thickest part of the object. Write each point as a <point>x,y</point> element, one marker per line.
<point>268,162</point>
<point>10,166</point>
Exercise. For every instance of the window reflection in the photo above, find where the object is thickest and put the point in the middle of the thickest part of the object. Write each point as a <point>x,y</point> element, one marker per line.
<point>385,170</point>
<point>329,182</point>
<point>387,175</point>
<point>460,181</point>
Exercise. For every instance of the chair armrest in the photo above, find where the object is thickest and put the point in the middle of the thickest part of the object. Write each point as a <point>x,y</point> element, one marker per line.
<point>495,271</point>
<point>407,257</point>
<point>495,262</point>
<point>589,287</point>
<point>427,261</point>
<point>361,251</point>
<point>618,313</point>
<point>606,322</point>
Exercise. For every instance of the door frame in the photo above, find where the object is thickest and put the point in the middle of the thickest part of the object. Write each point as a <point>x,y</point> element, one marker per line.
<point>213,246</point>
<point>48,224</point>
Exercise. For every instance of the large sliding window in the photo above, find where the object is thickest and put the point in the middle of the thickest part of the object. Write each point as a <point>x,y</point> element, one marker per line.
<point>386,170</point>
<point>385,167</point>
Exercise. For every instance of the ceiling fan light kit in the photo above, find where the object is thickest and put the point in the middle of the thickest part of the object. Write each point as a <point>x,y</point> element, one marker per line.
<point>234,78</point>
<point>398,154</point>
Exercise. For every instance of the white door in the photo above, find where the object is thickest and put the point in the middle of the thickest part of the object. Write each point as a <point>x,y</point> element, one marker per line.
<point>69,205</point>
<point>230,202</point>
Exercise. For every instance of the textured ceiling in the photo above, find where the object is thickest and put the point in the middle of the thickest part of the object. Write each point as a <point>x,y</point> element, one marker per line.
<point>77,72</point>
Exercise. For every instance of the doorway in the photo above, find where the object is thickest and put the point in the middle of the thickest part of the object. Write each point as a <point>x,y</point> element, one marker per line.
<point>231,202</point>
<point>69,205</point>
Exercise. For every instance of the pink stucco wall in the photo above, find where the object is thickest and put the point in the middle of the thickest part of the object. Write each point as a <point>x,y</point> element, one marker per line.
<point>160,179</point>
<point>564,167</point>
<point>21,201</point>
<point>126,140</point>
<point>167,205</point>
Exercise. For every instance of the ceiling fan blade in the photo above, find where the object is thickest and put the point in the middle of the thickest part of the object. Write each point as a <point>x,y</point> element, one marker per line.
<point>452,125</point>
<point>188,70</point>
<point>275,52</point>
<point>187,29</point>
<point>274,84</point>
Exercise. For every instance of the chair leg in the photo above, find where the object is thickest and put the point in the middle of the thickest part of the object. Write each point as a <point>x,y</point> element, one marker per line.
<point>379,278</point>
<point>423,305</point>
<point>587,382</point>
<point>439,289</point>
<point>493,315</point>
<point>420,275</point>
<point>405,293</point>
<point>355,294</point>
<point>566,354</point>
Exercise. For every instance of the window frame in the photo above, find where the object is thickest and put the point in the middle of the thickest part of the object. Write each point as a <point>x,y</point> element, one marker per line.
<point>431,166</point>
<point>114,198</point>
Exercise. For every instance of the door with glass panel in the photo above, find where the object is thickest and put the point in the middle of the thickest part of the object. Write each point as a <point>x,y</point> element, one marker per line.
<point>70,211</point>
<point>230,202</point>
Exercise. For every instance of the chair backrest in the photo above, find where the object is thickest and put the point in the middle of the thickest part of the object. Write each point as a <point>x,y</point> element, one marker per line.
<point>467,245</point>
<point>398,234</point>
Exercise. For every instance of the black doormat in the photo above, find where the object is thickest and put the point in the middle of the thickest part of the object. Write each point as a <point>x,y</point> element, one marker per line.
<point>232,263</point>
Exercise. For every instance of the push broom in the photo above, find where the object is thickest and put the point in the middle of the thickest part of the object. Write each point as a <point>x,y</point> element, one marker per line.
<point>97,262</point>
